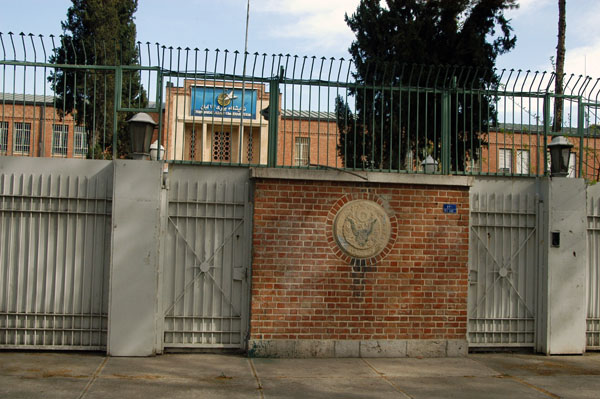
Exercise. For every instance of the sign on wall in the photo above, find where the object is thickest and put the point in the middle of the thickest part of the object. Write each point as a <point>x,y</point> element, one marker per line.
<point>223,102</point>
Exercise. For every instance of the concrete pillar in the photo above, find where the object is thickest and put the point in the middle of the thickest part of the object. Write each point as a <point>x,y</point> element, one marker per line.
<point>133,285</point>
<point>562,312</point>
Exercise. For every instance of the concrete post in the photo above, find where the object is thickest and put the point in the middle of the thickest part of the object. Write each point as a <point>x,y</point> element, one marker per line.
<point>133,285</point>
<point>562,316</point>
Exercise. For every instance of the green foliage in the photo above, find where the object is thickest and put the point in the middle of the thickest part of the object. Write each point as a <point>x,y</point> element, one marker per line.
<point>392,45</point>
<point>98,32</point>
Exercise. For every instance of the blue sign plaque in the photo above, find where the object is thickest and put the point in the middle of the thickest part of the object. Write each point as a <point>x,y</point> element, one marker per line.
<point>223,102</point>
<point>449,208</point>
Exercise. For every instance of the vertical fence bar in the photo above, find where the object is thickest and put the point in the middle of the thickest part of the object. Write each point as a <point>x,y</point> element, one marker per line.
<point>445,133</point>
<point>273,122</point>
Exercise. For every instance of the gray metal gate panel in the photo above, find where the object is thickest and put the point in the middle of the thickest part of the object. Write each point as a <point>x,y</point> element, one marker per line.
<point>54,246</point>
<point>207,258</point>
<point>503,262</point>
<point>593,275</point>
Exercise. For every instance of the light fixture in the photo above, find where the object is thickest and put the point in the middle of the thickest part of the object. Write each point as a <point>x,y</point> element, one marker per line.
<point>154,151</point>
<point>560,152</point>
<point>429,165</point>
<point>141,127</point>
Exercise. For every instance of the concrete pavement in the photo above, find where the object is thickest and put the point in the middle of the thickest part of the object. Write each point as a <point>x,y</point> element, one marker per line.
<point>85,375</point>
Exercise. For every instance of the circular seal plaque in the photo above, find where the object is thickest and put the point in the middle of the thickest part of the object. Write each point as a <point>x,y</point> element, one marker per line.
<point>362,229</point>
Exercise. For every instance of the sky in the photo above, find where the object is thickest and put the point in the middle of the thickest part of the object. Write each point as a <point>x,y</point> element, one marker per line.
<point>317,27</point>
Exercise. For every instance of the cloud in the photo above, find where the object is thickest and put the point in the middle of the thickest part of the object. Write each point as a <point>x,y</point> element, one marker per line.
<point>320,22</point>
<point>528,6</point>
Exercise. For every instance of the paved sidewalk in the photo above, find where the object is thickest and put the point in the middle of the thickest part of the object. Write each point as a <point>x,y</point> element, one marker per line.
<point>82,375</point>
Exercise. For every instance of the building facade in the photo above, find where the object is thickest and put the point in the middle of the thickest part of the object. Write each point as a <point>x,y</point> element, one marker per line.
<point>32,126</point>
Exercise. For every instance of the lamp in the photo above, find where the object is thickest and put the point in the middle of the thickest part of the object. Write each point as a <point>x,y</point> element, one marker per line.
<point>141,127</point>
<point>429,164</point>
<point>155,153</point>
<point>560,151</point>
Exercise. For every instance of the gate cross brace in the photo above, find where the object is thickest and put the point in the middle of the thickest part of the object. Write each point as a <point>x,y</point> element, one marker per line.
<point>180,296</point>
<point>508,263</point>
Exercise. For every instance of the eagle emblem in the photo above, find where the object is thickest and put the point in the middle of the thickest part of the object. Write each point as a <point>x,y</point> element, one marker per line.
<point>361,235</point>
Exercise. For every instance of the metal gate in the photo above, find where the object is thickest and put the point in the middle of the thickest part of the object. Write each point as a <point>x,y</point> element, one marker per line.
<point>593,275</point>
<point>207,258</point>
<point>54,253</point>
<point>503,263</point>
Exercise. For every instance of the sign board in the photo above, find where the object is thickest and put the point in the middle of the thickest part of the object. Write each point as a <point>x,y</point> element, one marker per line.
<point>223,102</point>
<point>449,208</point>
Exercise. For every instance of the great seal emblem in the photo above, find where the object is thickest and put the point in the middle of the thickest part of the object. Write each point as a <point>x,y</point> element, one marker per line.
<point>362,229</point>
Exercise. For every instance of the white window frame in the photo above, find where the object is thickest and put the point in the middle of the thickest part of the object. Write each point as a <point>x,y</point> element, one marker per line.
<point>505,156</point>
<point>302,151</point>
<point>80,142</point>
<point>522,165</point>
<point>60,139</point>
<point>22,137</point>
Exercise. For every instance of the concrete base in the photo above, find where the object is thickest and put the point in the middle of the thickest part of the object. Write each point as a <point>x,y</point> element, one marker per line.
<point>282,348</point>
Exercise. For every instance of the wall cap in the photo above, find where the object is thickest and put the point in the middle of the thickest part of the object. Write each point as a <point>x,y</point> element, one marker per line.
<point>359,176</point>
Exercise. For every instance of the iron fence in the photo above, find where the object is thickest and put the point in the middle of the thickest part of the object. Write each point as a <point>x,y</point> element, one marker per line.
<point>230,108</point>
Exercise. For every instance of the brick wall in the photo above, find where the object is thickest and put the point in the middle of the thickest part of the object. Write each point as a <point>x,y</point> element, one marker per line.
<point>303,288</point>
<point>322,135</point>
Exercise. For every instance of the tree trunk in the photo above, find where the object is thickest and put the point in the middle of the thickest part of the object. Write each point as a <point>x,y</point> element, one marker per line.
<point>560,66</point>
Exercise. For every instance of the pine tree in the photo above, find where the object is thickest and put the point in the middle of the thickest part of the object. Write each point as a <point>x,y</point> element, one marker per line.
<point>396,46</point>
<point>100,33</point>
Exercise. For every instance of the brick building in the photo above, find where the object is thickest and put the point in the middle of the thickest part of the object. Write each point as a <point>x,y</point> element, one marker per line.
<point>193,131</point>
<point>31,126</point>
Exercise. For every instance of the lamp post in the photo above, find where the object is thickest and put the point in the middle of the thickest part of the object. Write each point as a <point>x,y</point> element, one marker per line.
<point>429,165</point>
<point>560,152</point>
<point>141,126</point>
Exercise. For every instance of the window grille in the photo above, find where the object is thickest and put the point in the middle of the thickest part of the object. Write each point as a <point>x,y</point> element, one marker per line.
<point>222,146</point>
<point>22,137</point>
<point>301,157</point>
<point>3,137</point>
<point>60,137</point>
<point>80,141</point>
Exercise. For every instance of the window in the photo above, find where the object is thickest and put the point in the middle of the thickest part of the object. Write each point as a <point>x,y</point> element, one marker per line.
<point>3,137</point>
<point>22,137</point>
<point>522,162</point>
<point>80,141</point>
<point>302,151</point>
<point>222,146</point>
<point>60,137</point>
<point>504,160</point>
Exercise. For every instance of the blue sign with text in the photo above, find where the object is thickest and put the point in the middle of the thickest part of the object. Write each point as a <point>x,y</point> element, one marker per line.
<point>223,102</point>
<point>449,208</point>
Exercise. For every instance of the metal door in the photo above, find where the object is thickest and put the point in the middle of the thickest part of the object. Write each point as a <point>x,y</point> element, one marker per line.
<point>54,253</point>
<point>503,263</point>
<point>593,275</point>
<point>207,258</point>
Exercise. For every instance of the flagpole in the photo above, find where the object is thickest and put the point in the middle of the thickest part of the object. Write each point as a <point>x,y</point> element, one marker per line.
<point>244,90</point>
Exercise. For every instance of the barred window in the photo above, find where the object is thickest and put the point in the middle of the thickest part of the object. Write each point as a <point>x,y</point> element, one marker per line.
<point>60,138</point>
<point>504,160</point>
<point>302,151</point>
<point>22,133</point>
<point>523,162</point>
<point>3,137</point>
<point>80,141</point>
<point>222,147</point>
